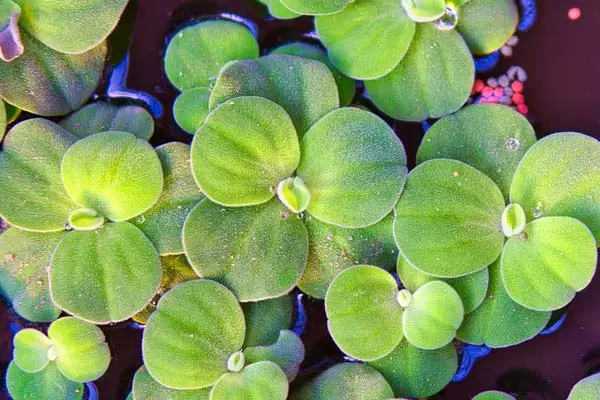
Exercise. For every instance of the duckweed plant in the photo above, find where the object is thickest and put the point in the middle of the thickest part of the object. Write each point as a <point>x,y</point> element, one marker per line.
<point>287,188</point>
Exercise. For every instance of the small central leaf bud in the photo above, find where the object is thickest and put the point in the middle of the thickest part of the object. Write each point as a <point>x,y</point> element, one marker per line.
<point>52,353</point>
<point>513,220</point>
<point>236,361</point>
<point>294,194</point>
<point>85,219</point>
<point>404,298</point>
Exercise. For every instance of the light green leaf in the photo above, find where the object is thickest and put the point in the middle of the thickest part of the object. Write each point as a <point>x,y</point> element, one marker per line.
<point>316,7</point>
<point>355,180</point>
<point>30,175</point>
<point>346,86</point>
<point>281,78</point>
<point>45,82</point>
<point>240,170</point>
<point>287,353</point>
<point>513,220</point>
<point>413,372</point>
<point>586,389</point>
<point>48,384</point>
<point>560,176</point>
<point>24,259</point>
<point>31,350</point>
<point>433,79</point>
<point>553,259</point>
<point>499,321</point>
<point>70,27</point>
<point>163,223</point>
<point>489,137</point>
<point>493,395</point>
<point>266,319</point>
<point>258,252</point>
<point>433,315</point>
<point>486,25</point>
<point>12,113</point>
<point>471,288</point>
<point>85,219</point>
<point>102,117</point>
<point>294,194</point>
<point>197,53</point>
<point>346,381</point>
<point>114,173</point>
<point>368,39</point>
<point>332,249</point>
<point>191,109</point>
<point>361,303</point>
<point>263,380</point>
<point>448,219</point>
<point>192,333</point>
<point>3,119</point>
<point>278,10</point>
<point>424,10</point>
<point>146,388</point>
<point>82,352</point>
<point>106,275</point>
<point>175,270</point>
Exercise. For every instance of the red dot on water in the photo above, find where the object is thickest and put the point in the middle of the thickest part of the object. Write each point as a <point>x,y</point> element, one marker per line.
<point>574,13</point>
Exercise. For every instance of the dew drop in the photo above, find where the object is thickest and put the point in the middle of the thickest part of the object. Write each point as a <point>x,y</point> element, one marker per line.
<point>141,219</point>
<point>329,237</point>
<point>513,144</point>
<point>448,21</point>
<point>300,215</point>
<point>537,211</point>
<point>350,238</point>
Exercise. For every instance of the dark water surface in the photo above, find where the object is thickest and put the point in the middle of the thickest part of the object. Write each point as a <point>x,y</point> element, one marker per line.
<point>562,60</point>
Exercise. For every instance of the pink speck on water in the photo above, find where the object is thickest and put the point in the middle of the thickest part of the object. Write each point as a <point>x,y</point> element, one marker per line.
<point>574,13</point>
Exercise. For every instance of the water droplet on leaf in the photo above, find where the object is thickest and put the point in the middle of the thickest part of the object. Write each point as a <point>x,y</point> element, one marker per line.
<point>513,144</point>
<point>448,21</point>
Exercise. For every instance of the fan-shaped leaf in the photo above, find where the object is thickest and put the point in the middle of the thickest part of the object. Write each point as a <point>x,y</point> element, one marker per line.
<point>146,388</point>
<point>586,389</point>
<point>191,109</point>
<point>287,353</point>
<point>263,380</point>
<point>31,350</point>
<point>48,384</point>
<point>266,319</point>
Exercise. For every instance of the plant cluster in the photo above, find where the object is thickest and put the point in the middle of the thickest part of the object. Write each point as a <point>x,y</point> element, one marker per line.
<point>286,187</point>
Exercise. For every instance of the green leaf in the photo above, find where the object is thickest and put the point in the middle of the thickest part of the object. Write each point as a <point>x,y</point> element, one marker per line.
<point>175,270</point>
<point>586,389</point>
<point>263,380</point>
<point>361,303</point>
<point>471,288</point>
<point>499,321</point>
<point>434,313</point>
<point>240,170</point>
<point>12,113</point>
<point>146,388</point>
<point>106,275</point>
<point>197,53</point>
<point>294,194</point>
<point>316,7</point>
<point>102,117</point>
<point>287,353</point>
<point>11,46</point>
<point>266,319</point>
<point>493,395</point>
<point>82,352</point>
<point>45,82</point>
<point>356,180</point>
<point>278,10</point>
<point>448,219</point>
<point>191,109</point>
<point>24,259</point>
<point>281,78</point>
<point>346,86</point>
<point>413,372</point>
<point>31,350</point>
<point>368,39</point>
<point>3,119</point>
<point>332,249</point>
<point>486,25</point>
<point>258,252</point>
<point>489,137</point>
<point>163,223</point>
<point>433,79</point>
<point>560,176</point>
<point>424,10</point>
<point>114,173</point>
<point>72,28</point>
<point>30,175</point>
<point>192,333</point>
<point>554,259</point>
<point>346,381</point>
<point>48,384</point>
